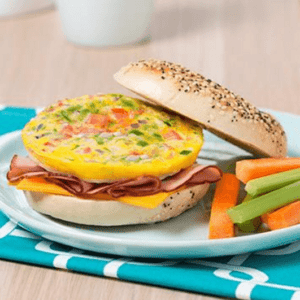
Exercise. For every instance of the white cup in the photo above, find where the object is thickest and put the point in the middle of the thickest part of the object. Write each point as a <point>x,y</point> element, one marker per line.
<point>103,23</point>
<point>10,8</point>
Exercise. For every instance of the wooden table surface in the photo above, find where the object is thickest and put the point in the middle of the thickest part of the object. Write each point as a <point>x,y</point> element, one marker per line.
<point>252,47</point>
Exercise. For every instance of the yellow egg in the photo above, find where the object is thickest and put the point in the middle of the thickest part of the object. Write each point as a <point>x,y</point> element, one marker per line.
<point>110,137</point>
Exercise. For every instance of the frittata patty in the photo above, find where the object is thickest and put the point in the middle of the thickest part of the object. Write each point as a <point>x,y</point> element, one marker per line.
<point>110,137</point>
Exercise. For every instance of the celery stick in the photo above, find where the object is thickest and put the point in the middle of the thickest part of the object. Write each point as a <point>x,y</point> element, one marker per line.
<point>260,205</point>
<point>251,225</point>
<point>269,183</point>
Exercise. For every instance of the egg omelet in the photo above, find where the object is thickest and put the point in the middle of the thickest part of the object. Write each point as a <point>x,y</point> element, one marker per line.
<point>111,137</point>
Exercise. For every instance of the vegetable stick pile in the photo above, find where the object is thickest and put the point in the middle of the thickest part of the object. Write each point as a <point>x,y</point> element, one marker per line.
<point>225,197</point>
<point>273,197</point>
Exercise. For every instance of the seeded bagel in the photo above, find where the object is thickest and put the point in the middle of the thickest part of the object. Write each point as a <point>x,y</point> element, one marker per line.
<point>215,107</point>
<point>108,213</point>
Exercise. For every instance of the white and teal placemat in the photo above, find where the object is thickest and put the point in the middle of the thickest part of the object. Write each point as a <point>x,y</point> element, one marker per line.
<point>270,274</point>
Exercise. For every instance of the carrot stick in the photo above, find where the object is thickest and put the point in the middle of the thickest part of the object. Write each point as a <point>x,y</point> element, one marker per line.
<point>226,196</point>
<point>284,217</point>
<point>255,168</point>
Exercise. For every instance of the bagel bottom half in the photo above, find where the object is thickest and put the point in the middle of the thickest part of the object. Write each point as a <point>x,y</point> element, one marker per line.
<point>114,213</point>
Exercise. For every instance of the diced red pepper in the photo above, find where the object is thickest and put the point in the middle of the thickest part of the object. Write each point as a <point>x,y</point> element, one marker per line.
<point>48,144</point>
<point>87,150</point>
<point>67,136</point>
<point>89,130</point>
<point>140,111</point>
<point>120,113</point>
<point>172,135</point>
<point>134,153</point>
<point>136,112</point>
<point>98,120</point>
<point>68,129</point>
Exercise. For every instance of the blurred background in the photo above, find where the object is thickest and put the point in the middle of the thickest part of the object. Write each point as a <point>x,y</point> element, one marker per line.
<point>250,46</point>
<point>53,49</point>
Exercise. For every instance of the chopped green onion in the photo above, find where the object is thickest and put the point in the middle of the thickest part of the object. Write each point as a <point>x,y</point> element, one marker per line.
<point>83,114</point>
<point>136,132</point>
<point>70,159</point>
<point>148,127</point>
<point>185,152</point>
<point>269,183</point>
<point>142,143</point>
<point>128,103</point>
<point>116,95</point>
<point>111,124</point>
<point>158,136</point>
<point>71,109</point>
<point>93,108</point>
<point>260,205</point>
<point>170,122</point>
<point>65,116</point>
<point>99,140</point>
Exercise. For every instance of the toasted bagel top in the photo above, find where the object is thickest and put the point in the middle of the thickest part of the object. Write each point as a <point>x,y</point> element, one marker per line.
<point>216,108</point>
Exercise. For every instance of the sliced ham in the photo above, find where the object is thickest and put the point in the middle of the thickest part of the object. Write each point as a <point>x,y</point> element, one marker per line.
<point>193,175</point>
<point>140,186</point>
<point>23,167</point>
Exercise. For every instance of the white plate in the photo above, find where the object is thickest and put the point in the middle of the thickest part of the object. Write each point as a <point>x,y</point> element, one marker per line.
<point>181,237</point>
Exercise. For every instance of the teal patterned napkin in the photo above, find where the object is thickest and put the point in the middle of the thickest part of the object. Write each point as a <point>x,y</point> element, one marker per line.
<point>270,274</point>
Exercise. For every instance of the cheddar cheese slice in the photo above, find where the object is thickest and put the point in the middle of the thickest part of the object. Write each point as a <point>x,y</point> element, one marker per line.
<point>42,186</point>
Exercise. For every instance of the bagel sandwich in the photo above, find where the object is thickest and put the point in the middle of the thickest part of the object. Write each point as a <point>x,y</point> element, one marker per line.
<point>111,160</point>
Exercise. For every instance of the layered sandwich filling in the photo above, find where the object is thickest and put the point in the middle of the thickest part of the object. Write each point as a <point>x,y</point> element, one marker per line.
<point>23,168</point>
<point>110,147</point>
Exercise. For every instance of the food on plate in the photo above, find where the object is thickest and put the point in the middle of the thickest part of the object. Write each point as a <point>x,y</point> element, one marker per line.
<point>111,137</point>
<point>249,169</point>
<point>283,217</point>
<point>226,196</point>
<point>249,226</point>
<point>111,160</point>
<point>272,182</point>
<point>273,193</point>
<point>219,110</point>
<point>265,203</point>
<point>116,160</point>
